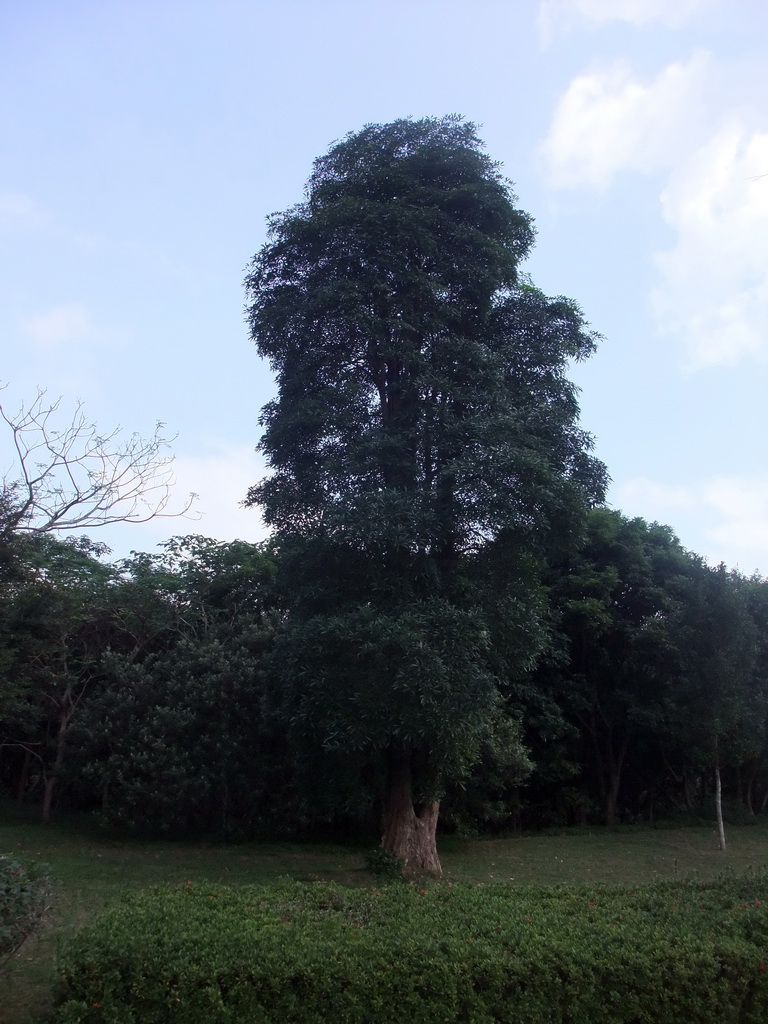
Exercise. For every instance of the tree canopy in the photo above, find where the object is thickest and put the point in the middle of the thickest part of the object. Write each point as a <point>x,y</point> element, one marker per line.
<point>423,402</point>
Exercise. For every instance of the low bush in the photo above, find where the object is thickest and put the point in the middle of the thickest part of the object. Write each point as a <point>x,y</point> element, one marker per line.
<point>385,865</point>
<point>23,894</point>
<point>305,954</point>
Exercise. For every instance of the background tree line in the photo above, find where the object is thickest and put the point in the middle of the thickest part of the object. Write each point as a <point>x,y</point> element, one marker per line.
<point>152,691</point>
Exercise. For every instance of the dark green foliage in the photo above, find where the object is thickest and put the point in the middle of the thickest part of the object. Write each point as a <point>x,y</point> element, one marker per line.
<point>176,743</point>
<point>354,675</point>
<point>309,954</point>
<point>384,865</point>
<point>24,889</point>
<point>423,403</point>
<point>137,689</point>
<point>487,800</point>
<point>168,694</point>
<point>615,599</point>
<point>55,624</point>
<point>718,711</point>
<point>615,667</point>
<point>656,675</point>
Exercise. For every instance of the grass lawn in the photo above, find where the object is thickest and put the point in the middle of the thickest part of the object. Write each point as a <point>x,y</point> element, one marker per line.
<point>90,868</point>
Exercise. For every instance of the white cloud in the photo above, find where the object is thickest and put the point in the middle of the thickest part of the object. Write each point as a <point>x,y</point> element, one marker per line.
<point>729,514</point>
<point>561,15</point>
<point>18,212</point>
<point>60,326</point>
<point>638,12</point>
<point>714,289</point>
<point>635,493</point>
<point>608,120</point>
<point>221,480</point>
<point>70,324</point>
<point>739,497</point>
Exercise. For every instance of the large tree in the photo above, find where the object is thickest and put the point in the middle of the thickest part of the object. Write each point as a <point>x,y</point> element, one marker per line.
<point>718,717</point>
<point>55,625</point>
<point>423,417</point>
<point>174,741</point>
<point>614,599</point>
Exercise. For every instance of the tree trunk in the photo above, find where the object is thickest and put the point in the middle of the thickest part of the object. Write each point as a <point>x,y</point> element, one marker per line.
<point>749,796</point>
<point>23,780</point>
<point>58,764</point>
<point>687,792</point>
<point>719,806</point>
<point>50,784</point>
<point>611,798</point>
<point>409,831</point>
<point>613,773</point>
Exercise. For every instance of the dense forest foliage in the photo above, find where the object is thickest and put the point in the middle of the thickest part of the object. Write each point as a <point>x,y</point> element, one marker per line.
<point>150,691</point>
<point>446,622</point>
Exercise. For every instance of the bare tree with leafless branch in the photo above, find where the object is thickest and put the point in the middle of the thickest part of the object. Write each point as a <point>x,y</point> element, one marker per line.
<point>67,476</point>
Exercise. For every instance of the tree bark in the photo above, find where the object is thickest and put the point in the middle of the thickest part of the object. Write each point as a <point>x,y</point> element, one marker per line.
<point>749,795</point>
<point>719,806</point>
<point>409,831</point>
<point>50,784</point>
<point>613,781</point>
<point>689,804</point>
<point>23,780</point>
<point>58,764</point>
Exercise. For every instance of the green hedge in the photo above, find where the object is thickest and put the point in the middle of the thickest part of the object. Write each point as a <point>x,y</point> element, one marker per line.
<point>23,894</point>
<point>674,952</point>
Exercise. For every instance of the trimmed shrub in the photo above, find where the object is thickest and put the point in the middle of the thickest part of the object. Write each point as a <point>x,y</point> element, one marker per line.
<point>23,894</point>
<point>306,954</point>
<point>385,865</point>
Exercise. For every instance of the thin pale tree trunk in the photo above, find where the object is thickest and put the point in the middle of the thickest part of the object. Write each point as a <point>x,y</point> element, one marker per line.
<point>719,806</point>
<point>58,764</point>
<point>749,796</point>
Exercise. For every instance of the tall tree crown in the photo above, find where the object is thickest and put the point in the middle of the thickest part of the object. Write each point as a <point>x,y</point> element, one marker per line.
<point>422,399</point>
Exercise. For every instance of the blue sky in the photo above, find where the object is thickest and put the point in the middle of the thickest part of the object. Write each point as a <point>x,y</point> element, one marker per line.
<point>143,143</point>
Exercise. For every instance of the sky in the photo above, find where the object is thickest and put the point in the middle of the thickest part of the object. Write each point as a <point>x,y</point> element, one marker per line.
<point>144,142</point>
